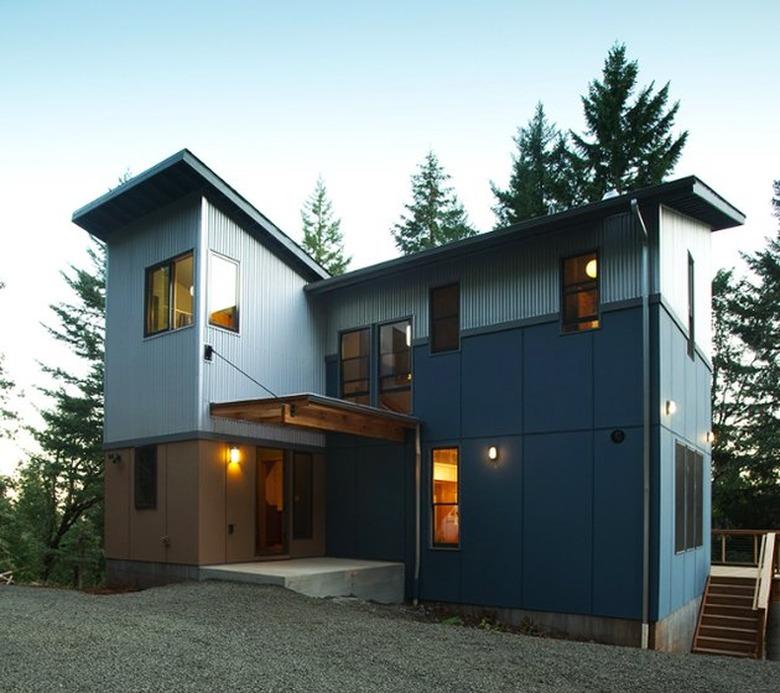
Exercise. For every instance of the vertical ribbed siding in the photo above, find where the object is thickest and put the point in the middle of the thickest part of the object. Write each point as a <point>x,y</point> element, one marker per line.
<point>151,384</point>
<point>278,343</point>
<point>516,281</point>
<point>680,235</point>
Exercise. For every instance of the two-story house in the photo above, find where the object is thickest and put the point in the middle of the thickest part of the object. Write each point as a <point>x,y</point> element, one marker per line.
<point>521,419</point>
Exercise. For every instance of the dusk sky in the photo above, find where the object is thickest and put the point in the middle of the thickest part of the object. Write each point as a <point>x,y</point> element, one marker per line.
<point>270,95</point>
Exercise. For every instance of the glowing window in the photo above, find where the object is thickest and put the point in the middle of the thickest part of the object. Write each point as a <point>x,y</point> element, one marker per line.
<point>223,293</point>
<point>395,366</point>
<point>169,295</point>
<point>445,498</point>
<point>580,293</point>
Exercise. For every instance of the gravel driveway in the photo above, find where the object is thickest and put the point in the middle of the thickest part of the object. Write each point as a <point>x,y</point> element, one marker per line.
<point>224,637</point>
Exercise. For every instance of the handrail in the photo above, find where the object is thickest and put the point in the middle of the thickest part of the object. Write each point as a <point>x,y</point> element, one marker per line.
<point>765,572</point>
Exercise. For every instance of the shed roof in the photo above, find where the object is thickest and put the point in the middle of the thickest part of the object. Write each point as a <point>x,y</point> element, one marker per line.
<point>180,175</point>
<point>687,195</point>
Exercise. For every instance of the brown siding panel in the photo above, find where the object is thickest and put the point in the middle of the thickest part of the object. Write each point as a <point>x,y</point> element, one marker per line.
<point>118,477</point>
<point>181,485</point>
<point>211,515</point>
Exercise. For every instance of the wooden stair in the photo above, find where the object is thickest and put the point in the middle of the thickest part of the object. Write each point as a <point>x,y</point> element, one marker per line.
<point>728,624</point>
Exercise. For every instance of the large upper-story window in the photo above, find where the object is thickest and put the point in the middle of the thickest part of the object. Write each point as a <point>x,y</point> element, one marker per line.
<point>169,295</point>
<point>580,293</point>
<point>445,318</point>
<point>395,366</point>
<point>223,292</point>
<point>356,366</point>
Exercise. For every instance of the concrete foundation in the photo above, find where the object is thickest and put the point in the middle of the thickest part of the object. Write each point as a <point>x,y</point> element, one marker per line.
<point>675,632</point>
<point>142,574</point>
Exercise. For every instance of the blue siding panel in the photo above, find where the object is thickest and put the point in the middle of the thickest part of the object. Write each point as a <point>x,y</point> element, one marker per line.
<point>558,377</point>
<point>492,522</point>
<point>557,522</point>
<point>492,372</point>
<point>436,391</point>
<point>617,525</point>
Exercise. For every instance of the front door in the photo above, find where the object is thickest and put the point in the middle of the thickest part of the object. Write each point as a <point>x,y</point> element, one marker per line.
<point>271,508</point>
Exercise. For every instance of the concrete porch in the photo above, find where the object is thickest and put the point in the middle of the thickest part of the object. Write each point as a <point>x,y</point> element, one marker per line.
<point>377,581</point>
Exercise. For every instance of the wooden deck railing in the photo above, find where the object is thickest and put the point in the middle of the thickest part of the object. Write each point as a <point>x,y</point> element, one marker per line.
<point>766,573</point>
<point>742,547</point>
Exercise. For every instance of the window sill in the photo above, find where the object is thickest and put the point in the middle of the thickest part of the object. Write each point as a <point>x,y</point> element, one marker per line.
<point>225,330</point>
<point>157,335</point>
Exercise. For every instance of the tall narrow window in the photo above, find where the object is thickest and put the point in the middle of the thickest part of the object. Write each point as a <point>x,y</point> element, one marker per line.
<point>145,477</point>
<point>688,498</point>
<point>445,498</point>
<point>698,505</point>
<point>580,293</point>
<point>395,366</point>
<point>679,498</point>
<point>445,318</point>
<point>303,481</point>
<point>169,295</point>
<point>355,366</point>
<point>691,314</point>
<point>223,292</point>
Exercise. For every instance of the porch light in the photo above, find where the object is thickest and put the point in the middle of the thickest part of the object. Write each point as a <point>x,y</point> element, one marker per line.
<point>710,437</point>
<point>493,453</point>
<point>234,455</point>
<point>671,407</point>
<point>592,268</point>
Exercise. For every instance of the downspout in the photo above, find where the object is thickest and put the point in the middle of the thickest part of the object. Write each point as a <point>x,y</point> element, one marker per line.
<point>417,489</point>
<point>645,427</point>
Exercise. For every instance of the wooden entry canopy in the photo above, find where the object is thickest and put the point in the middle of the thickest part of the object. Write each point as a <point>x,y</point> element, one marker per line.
<point>319,413</point>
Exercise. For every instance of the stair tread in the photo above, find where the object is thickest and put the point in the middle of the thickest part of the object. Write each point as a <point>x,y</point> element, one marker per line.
<point>723,640</point>
<point>735,629</point>
<point>728,653</point>
<point>745,619</point>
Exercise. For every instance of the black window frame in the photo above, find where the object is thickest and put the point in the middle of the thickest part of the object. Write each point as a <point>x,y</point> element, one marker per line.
<point>434,544</point>
<point>691,306</point>
<point>221,256</point>
<point>434,319</point>
<point>378,369</point>
<point>688,498</point>
<point>170,263</point>
<point>145,499</point>
<point>563,293</point>
<point>369,392</point>
<point>300,532</point>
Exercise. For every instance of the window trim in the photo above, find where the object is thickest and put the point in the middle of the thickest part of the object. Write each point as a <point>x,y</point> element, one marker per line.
<point>431,350</point>
<point>378,367</point>
<point>170,264</point>
<point>349,330</point>
<point>562,289</point>
<point>211,325</point>
<point>694,515</point>
<point>136,455</point>
<point>433,546</point>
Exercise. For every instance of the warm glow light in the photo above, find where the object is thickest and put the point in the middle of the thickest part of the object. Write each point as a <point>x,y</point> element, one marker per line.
<point>592,268</point>
<point>671,407</point>
<point>710,437</point>
<point>234,455</point>
<point>492,453</point>
<point>408,335</point>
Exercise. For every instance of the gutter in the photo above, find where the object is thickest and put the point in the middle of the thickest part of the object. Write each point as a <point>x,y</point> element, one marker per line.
<point>417,490</point>
<point>645,427</point>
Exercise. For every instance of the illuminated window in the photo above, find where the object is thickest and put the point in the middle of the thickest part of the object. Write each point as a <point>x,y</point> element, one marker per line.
<point>355,366</point>
<point>223,293</point>
<point>145,477</point>
<point>445,318</point>
<point>169,295</point>
<point>444,496</point>
<point>580,293</point>
<point>395,366</point>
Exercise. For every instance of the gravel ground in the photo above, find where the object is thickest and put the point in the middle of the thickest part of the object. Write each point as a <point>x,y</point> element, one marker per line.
<point>224,637</point>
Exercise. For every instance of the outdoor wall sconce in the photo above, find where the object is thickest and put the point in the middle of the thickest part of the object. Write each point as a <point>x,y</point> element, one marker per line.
<point>671,407</point>
<point>234,455</point>
<point>710,437</point>
<point>114,457</point>
<point>493,453</point>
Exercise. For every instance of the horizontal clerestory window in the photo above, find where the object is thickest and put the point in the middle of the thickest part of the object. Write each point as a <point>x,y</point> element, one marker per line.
<point>580,293</point>
<point>169,295</point>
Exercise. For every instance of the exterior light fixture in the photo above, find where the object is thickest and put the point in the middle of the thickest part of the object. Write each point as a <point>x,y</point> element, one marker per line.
<point>671,407</point>
<point>592,268</point>
<point>710,437</point>
<point>234,455</point>
<point>493,453</point>
<point>408,335</point>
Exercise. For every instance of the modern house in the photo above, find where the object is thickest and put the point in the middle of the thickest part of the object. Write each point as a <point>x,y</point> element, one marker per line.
<point>521,420</point>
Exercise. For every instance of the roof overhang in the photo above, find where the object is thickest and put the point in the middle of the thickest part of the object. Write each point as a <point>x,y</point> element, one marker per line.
<point>320,413</point>
<point>178,176</point>
<point>686,195</point>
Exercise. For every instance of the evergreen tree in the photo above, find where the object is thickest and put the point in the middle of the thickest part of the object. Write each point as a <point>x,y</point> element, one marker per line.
<point>6,387</point>
<point>746,391</point>
<point>60,488</point>
<point>435,216</point>
<point>322,237</point>
<point>628,142</point>
<point>542,180</point>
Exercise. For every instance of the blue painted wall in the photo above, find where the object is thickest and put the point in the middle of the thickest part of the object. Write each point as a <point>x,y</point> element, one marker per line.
<point>557,523</point>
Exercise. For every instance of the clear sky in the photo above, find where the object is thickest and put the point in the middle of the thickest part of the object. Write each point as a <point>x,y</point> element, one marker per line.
<point>272,94</point>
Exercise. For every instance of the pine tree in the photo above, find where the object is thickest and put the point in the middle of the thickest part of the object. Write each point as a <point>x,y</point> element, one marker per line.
<point>60,487</point>
<point>628,142</point>
<point>6,387</point>
<point>542,180</point>
<point>322,237</point>
<point>435,216</point>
